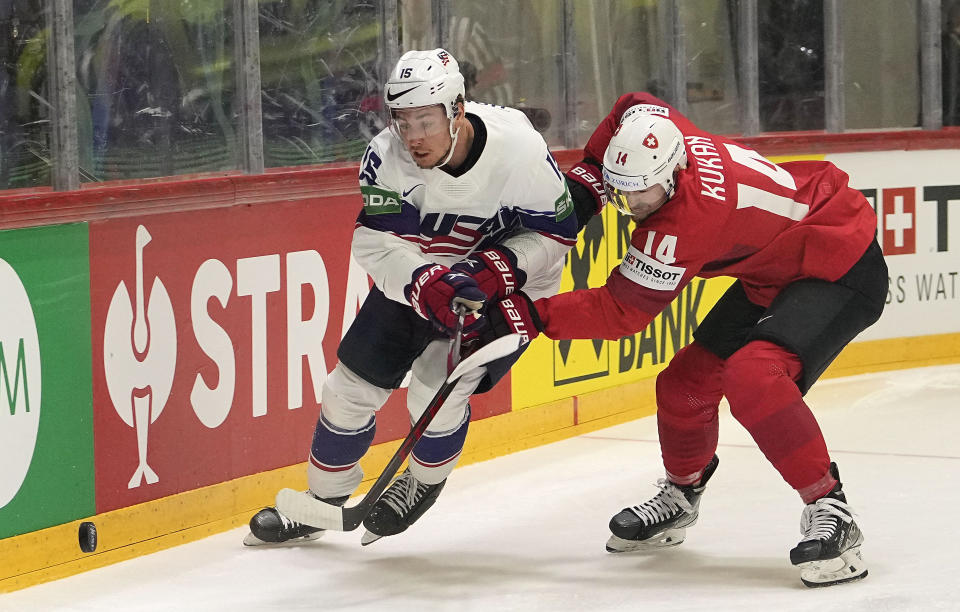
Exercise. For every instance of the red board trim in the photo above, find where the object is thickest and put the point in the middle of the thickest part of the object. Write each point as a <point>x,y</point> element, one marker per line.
<point>32,207</point>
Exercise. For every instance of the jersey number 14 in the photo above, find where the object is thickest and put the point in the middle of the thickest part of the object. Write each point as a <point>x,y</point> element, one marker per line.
<point>749,196</point>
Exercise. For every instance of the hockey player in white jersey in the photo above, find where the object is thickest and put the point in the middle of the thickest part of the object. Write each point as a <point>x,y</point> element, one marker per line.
<point>462,204</point>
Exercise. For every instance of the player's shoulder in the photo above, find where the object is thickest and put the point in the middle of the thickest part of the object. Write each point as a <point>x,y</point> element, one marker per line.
<point>633,103</point>
<point>802,168</point>
<point>385,145</point>
<point>385,160</point>
<point>497,113</point>
<point>632,107</point>
<point>509,131</point>
<point>700,204</point>
<point>705,150</point>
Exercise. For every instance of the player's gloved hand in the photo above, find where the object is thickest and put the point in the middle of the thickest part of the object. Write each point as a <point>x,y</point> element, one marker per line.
<point>589,175</point>
<point>435,292</point>
<point>495,271</point>
<point>512,315</point>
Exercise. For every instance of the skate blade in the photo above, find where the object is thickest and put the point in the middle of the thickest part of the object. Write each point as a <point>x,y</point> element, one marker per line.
<point>847,567</point>
<point>668,539</point>
<point>252,540</point>
<point>369,538</point>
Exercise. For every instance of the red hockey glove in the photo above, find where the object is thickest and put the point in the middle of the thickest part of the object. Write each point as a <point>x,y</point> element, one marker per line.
<point>435,292</point>
<point>513,315</point>
<point>589,175</point>
<point>495,271</point>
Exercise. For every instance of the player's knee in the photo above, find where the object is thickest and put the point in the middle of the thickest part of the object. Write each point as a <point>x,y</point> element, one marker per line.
<point>424,386</point>
<point>690,382</point>
<point>419,394</point>
<point>756,371</point>
<point>448,419</point>
<point>348,401</point>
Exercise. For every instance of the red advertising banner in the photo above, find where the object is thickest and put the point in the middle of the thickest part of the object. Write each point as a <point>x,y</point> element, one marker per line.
<point>213,332</point>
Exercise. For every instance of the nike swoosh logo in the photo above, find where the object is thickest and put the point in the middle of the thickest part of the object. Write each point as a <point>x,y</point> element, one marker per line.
<point>393,96</point>
<point>409,191</point>
<point>762,319</point>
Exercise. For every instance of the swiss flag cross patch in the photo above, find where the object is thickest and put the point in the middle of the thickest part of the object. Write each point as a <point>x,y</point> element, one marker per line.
<point>651,141</point>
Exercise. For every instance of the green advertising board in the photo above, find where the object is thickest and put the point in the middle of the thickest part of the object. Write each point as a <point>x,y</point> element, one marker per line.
<point>46,413</point>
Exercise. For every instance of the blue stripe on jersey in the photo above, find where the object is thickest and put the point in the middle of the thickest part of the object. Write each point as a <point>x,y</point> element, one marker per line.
<point>433,228</point>
<point>545,222</point>
<point>556,168</point>
<point>404,223</point>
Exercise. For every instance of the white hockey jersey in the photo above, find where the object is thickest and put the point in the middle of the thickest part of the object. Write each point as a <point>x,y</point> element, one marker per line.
<point>514,195</point>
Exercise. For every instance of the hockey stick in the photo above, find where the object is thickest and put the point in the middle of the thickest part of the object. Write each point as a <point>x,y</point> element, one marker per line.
<point>307,509</point>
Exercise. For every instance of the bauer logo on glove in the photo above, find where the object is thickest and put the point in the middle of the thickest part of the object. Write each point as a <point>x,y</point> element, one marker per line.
<point>435,292</point>
<point>495,270</point>
<point>513,315</point>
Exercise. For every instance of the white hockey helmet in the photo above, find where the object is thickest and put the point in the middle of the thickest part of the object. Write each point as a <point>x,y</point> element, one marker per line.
<point>645,150</point>
<point>425,78</point>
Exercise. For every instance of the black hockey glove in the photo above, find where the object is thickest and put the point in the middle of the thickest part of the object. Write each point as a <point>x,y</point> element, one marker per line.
<point>435,292</point>
<point>513,315</point>
<point>495,271</point>
<point>585,182</point>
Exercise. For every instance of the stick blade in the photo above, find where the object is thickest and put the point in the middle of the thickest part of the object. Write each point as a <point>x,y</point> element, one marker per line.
<point>501,347</point>
<point>307,509</point>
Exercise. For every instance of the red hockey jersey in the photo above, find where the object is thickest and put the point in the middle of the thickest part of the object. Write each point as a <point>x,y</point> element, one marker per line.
<point>734,213</point>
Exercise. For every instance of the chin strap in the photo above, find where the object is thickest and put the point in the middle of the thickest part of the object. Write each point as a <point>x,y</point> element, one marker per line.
<point>453,145</point>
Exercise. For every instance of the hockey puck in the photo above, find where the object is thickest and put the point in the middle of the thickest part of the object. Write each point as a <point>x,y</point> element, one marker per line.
<point>88,537</point>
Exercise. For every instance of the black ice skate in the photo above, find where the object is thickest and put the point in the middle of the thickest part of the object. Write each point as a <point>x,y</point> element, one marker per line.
<point>661,521</point>
<point>400,506</point>
<point>830,550</point>
<point>269,526</point>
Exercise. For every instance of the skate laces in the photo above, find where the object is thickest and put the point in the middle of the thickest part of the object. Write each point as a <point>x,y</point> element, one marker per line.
<point>403,493</point>
<point>286,523</point>
<point>664,504</point>
<point>817,521</point>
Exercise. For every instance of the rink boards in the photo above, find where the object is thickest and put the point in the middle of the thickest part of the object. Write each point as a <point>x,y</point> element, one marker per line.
<point>162,356</point>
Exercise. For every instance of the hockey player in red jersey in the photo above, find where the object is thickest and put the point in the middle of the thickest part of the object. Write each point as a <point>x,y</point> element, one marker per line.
<point>809,274</point>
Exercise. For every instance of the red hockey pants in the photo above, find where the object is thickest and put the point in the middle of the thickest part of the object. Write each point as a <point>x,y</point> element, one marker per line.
<point>758,381</point>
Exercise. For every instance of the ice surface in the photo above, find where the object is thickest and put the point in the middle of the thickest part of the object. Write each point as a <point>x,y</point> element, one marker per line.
<point>527,531</point>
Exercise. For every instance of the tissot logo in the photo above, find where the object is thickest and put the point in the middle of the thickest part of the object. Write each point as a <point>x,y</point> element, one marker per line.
<point>140,355</point>
<point>20,383</point>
